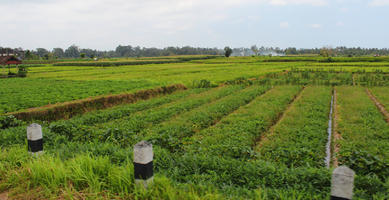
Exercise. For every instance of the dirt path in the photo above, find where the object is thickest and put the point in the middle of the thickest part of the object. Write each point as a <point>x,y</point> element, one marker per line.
<point>380,107</point>
<point>264,137</point>
<point>336,135</point>
<point>353,79</point>
<point>4,196</point>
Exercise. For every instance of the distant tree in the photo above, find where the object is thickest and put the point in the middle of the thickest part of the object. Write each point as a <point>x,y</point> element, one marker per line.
<point>72,52</point>
<point>41,52</point>
<point>326,52</point>
<point>58,52</point>
<point>227,51</point>
<point>291,51</point>
<point>28,55</point>
<point>255,49</point>
<point>82,55</point>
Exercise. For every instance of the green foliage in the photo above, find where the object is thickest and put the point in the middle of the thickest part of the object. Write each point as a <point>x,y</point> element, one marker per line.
<point>236,134</point>
<point>239,81</point>
<point>202,84</point>
<point>294,141</point>
<point>39,92</point>
<point>133,62</point>
<point>227,51</point>
<point>206,141</point>
<point>9,121</point>
<point>366,152</point>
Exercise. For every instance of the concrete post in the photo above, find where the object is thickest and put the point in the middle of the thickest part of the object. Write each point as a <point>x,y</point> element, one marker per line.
<point>342,183</point>
<point>35,138</point>
<point>143,163</point>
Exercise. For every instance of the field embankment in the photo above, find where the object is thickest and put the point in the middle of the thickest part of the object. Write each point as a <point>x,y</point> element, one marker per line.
<point>68,109</point>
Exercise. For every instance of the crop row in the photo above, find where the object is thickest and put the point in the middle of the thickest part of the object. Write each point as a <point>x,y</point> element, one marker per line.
<point>235,135</point>
<point>127,131</point>
<point>80,124</point>
<point>174,133</point>
<point>364,133</point>
<point>325,60</point>
<point>133,62</point>
<point>327,77</point>
<point>300,137</point>
<point>198,143</point>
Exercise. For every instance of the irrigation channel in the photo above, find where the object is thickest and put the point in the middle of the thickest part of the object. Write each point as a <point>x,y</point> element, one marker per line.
<point>329,131</point>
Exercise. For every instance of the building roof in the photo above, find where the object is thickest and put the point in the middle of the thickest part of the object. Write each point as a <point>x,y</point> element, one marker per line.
<point>6,60</point>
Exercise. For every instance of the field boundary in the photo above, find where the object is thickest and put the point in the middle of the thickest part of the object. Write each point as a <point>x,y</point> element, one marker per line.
<point>336,136</point>
<point>380,107</point>
<point>280,117</point>
<point>69,109</point>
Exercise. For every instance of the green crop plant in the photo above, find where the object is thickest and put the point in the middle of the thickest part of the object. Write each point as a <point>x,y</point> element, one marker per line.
<point>365,133</point>
<point>235,135</point>
<point>299,138</point>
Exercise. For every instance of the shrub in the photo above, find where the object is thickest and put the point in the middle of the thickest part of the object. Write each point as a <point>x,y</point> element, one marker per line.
<point>9,121</point>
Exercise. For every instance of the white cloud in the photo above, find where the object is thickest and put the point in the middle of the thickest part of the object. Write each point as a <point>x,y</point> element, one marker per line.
<point>106,23</point>
<point>339,23</point>
<point>284,24</point>
<point>316,26</point>
<point>298,2</point>
<point>379,3</point>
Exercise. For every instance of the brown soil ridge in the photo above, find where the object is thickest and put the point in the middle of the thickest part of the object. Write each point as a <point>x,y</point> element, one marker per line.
<point>69,109</point>
<point>336,136</point>
<point>380,107</point>
<point>259,142</point>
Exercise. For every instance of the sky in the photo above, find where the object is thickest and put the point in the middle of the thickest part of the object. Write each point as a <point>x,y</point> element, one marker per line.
<point>105,24</point>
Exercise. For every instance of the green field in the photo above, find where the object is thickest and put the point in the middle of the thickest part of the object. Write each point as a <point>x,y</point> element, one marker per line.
<point>256,130</point>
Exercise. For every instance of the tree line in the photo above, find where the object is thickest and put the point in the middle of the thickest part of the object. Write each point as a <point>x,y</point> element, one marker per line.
<point>135,51</point>
<point>121,51</point>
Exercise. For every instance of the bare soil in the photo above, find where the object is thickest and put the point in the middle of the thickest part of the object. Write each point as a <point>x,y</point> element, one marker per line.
<point>4,196</point>
<point>336,135</point>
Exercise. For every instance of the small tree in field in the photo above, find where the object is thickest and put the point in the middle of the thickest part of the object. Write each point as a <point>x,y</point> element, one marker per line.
<point>227,51</point>
<point>255,49</point>
<point>82,55</point>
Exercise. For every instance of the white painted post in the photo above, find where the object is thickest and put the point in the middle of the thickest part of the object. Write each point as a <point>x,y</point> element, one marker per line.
<point>143,163</point>
<point>35,138</point>
<point>342,183</point>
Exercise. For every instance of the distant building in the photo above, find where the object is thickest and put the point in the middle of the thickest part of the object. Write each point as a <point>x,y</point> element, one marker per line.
<point>9,60</point>
<point>18,53</point>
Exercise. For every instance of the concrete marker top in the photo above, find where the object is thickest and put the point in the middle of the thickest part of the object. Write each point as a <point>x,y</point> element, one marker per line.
<point>34,132</point>
<point>143,152</point>
<point>342,182</point>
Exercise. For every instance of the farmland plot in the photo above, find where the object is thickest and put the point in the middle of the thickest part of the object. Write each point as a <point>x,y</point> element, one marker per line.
<point>246,139</point>
<point>300,137</point>
<point>365,134</point>
<point>236,134</point>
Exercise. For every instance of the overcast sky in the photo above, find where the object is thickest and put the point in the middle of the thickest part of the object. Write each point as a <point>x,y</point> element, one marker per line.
<point>104,24</point>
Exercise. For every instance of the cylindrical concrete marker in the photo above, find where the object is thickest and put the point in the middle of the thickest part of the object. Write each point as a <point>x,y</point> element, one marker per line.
<point>143,163</point>
<point>35,138</point>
